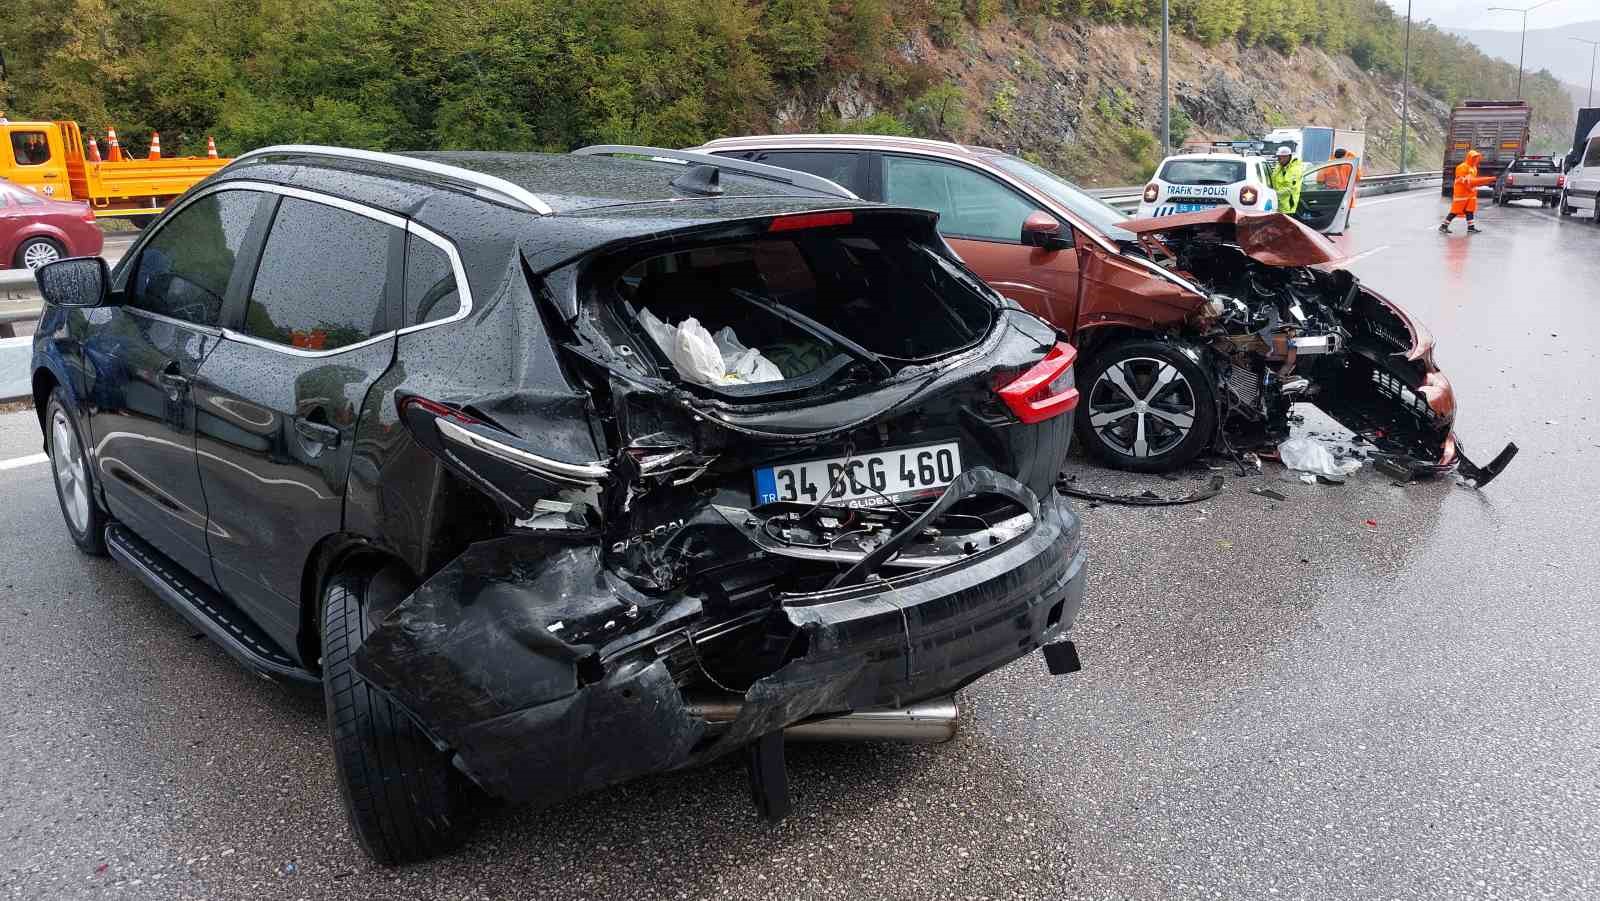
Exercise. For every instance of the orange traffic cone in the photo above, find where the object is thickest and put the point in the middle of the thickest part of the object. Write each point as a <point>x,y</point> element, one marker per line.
<point>94,150</point>
<point>155,145</point>
<point>211,147</point>
<point>114,152</point>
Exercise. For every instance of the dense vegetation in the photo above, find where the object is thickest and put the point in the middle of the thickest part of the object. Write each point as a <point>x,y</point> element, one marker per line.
<point>554,74</point>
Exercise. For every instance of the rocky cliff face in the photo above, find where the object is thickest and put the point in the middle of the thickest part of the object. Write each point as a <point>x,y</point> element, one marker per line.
<point>1086,98</point>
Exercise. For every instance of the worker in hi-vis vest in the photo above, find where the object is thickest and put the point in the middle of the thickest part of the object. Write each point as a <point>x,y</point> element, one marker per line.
<point>1286,177</point>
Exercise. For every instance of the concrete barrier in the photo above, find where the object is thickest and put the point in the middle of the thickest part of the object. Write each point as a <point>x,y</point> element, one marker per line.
<point>16,379</point>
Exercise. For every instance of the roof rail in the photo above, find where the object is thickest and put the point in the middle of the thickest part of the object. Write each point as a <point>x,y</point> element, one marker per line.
<point>764,141</point>
<point>731,164</point>
<point>488,187</point>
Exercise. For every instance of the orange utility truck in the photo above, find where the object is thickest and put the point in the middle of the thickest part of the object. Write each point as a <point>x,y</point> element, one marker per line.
<point>49,158</point>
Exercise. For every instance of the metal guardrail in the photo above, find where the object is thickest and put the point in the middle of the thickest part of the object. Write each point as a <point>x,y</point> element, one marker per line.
<point>1127,199</point>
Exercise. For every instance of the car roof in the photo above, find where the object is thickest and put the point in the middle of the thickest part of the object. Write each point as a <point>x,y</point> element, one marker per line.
<point>852,141</point>
<point>1225,157</point>
<point>553,205</point>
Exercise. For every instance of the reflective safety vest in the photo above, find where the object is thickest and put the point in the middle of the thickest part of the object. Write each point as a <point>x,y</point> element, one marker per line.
<point>1286,181</point>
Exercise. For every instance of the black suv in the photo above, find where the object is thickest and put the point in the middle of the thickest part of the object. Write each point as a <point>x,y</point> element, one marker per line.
<point>553,471</point>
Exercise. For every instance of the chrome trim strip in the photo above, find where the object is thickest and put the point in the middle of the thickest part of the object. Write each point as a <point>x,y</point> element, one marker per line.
<point>572,473</point>
<point>207,329</point>
<point>463,288</point>
<point>732,164</point>
<point>292,351</point>
<point>491,187</point>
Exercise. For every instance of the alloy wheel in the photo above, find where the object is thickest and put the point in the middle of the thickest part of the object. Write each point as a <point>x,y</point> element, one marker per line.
<point>1142,407</point>
<point>39,253</point>
<point>71,479</point>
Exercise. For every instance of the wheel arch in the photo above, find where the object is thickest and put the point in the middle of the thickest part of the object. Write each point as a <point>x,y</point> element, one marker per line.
<point>333,554</point>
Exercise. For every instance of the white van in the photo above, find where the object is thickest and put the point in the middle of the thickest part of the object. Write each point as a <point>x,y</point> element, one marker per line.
<point>1583,179</point>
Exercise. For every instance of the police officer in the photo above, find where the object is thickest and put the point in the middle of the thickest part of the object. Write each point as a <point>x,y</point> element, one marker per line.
<point>1286,177</point>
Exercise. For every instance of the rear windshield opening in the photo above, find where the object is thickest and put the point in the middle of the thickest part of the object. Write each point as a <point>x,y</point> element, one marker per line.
<point>1202,172</point>
<point>807,304</point>
<point>1533,166</point>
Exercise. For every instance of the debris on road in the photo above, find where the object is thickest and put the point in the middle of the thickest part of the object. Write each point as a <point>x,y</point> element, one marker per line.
<point>1304,454</point>
<point>1145,498</point>
<point>1269,494</point>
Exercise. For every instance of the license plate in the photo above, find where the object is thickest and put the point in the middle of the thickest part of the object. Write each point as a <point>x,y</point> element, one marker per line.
<point>1173,209</point>
<point>864,480</point>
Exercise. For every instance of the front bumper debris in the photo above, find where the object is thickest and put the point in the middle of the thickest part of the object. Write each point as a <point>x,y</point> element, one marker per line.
<point>548,676</point>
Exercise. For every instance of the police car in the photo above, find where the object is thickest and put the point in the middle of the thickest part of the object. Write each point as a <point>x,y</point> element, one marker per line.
<point>1191,182</point>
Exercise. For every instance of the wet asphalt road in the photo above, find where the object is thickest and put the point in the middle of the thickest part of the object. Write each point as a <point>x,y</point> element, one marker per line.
<point>1360,691</point>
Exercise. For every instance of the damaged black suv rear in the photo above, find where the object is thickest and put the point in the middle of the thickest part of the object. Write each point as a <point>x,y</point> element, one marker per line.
<point>644,462</point>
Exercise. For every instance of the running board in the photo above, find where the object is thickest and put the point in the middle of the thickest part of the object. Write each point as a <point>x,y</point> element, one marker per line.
<point>205,609</point>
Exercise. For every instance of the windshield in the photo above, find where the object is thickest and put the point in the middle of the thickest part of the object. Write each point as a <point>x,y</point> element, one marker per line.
<point>1534,166</point>
<point>1095,211</point>
<point>1202,172</point>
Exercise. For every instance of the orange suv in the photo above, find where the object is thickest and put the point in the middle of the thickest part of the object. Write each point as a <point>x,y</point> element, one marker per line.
<point>1198,330</point>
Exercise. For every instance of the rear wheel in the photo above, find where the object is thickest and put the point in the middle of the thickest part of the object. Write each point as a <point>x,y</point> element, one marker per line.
<point>36,252</point>
<point>404,799</point>
<point>69,467</point>
<point>1148,407</point>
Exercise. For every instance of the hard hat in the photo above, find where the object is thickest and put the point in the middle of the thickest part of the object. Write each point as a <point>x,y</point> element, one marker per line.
<point>1285,151</point>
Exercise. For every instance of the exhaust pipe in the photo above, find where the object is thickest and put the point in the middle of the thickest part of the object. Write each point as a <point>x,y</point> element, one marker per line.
<point>928,723</point>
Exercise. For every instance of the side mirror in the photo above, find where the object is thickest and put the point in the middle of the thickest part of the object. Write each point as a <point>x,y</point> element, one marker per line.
<point>1041,229</point>
<point>76,282</point>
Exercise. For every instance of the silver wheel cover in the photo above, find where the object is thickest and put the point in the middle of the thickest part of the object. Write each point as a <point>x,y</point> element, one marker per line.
<point>1141,407</point>
<point>66,459</point>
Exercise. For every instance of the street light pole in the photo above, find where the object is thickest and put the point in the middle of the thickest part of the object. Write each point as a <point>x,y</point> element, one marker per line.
<point>1522,52</point>
<point>1405,90</point>
<point>1594,48</point>
<point>1166,97</point>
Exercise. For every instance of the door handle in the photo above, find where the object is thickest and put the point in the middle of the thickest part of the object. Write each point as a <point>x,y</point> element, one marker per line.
<point>316,432</point>
<point>172,378</point>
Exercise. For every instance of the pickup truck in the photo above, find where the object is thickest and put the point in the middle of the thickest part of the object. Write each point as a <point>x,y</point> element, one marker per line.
<point>48,159</point>
<point>1530,177</point>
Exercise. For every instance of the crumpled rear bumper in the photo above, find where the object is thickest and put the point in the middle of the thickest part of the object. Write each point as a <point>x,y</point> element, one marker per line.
<point>474,657</point>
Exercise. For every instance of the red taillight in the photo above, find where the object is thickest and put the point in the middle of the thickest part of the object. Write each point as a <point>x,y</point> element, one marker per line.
<point>1151,192</point>
<point>1561,181</point>
<point>1511,179</point>
<point>420,404</point>
<point>811,220</point>
<point>1248,196</point>
<point>1045,390</point>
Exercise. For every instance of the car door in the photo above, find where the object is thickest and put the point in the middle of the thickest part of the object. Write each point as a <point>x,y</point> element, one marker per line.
<point>1325,192</point>
<point>982,218</point>
<point>141,357</point>
<point>277,399</point>
<point>36,161</point>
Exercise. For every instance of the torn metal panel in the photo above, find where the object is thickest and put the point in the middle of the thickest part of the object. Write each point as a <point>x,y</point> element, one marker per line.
<point>1210,490</point>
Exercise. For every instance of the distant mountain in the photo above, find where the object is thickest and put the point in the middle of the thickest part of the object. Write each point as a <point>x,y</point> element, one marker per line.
<point>1548,48</point>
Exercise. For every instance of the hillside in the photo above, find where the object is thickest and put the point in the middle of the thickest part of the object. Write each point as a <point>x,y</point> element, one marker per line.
<point>1074,83</point>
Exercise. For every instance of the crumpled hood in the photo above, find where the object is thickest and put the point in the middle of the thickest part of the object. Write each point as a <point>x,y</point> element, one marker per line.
<point>1269,238</point>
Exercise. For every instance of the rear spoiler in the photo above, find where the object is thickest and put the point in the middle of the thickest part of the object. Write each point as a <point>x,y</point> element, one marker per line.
<point>730,164</point>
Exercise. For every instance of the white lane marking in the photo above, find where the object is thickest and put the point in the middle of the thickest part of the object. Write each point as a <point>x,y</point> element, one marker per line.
<point>19,462</point>
<point>1363,255</point>
<point>1404,195</point>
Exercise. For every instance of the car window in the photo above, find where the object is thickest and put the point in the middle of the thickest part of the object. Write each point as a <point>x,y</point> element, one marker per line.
<point>838,167</point>
<point>1534,166</point>
<point>1335,177</point>
<point>431,292</point>
<point>1202,172</point>
<point>970,204</point>
<point>1591,157</point>
<point>322,280</point>
<point>30,148</point>
<point>183,270</point>
<point>1095,211</point>
<point>19,196</point>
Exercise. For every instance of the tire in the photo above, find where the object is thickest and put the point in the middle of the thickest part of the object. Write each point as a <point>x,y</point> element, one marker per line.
<point>36,252</point>
<point>404,800</point>
<point>141,222</point>
<point>74,477</point>
<point>1185,392</point>
<point>1562,203</point>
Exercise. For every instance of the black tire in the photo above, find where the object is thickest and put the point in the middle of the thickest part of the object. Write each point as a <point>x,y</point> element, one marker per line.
<point>81,512</point>
<point>35,247</point>
<point>1113,439</point>
<point>142,222</point>
<point>404,800</point>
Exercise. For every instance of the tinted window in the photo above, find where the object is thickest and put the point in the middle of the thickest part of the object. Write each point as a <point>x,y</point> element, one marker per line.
<point>1202,172</point>
<point>839,168</point>
<point>183,270</point>
<point>430,283</point>
<point>322,280</point>
<point>970,204</point>
<point>30,148</point>
<point>1534,166</point>
<point>1591,157</point>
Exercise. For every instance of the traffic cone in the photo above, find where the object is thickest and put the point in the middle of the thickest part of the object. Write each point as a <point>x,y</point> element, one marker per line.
<point>155,145</point>
<point>114,153</point>
<point>211,147</point>
<point>94,150</point>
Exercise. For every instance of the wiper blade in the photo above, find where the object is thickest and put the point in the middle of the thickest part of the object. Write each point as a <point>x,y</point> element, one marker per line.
<point>815,329</point>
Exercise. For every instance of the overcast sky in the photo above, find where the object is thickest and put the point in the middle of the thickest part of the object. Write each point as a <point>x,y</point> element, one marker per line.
<point>1475,14</point>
